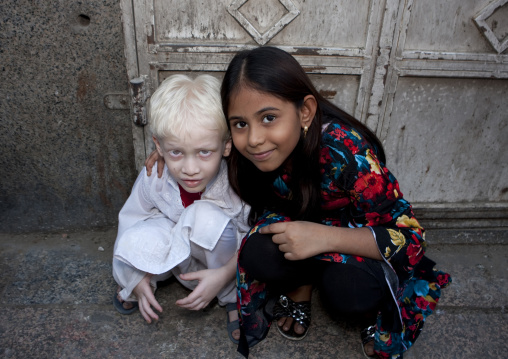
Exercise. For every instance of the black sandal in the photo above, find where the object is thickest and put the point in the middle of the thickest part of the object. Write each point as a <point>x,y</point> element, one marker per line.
<point>368,335</point>
<point>300,312</point>
<point>120,308</point>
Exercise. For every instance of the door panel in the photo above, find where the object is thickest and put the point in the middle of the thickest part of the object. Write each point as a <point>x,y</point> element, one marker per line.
<point>437,25</point>
<point>318,24</point>
<point>441,139</point>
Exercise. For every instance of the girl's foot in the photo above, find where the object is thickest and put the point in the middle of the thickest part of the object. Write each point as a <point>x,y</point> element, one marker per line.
<point>368,349</point>
<point>367,336</point>
<point>298,302</point>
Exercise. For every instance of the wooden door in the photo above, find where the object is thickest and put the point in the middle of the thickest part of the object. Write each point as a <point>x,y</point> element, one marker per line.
<point>428,76</point>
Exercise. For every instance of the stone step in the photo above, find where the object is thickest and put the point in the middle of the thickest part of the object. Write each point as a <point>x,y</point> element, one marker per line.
<point>479,274</point>
<point>467,236</point>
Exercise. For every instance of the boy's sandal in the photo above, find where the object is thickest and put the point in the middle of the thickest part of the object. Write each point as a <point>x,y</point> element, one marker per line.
<point>368,335</point>
<point>300,312</point>
<point>119,306</point>
<point>234,325</point>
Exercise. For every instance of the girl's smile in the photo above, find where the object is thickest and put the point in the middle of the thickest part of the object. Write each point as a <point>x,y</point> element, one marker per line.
<point>264,128</point>
<point>262,155</point>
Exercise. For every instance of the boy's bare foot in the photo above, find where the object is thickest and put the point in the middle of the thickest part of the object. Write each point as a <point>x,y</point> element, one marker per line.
<point>123,306</point>
<point>233,316</point>
<point>233,324</point>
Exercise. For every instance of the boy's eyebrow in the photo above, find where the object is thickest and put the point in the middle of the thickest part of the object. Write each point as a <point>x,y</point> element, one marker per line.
<point>264,109</point>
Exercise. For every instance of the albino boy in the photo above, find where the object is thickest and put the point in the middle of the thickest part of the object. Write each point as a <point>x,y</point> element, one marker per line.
<point>189,223</point>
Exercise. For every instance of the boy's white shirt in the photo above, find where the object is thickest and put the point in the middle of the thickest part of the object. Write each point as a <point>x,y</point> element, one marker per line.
<point>154,197</point>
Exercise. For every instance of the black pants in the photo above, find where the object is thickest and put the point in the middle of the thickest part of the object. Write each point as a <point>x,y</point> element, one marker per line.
<point>347,291</point>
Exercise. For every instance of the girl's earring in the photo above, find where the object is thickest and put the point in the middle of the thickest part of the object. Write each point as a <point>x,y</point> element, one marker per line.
<point>305,129</point>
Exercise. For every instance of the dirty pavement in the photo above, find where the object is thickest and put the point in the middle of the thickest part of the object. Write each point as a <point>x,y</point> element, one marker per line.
<point>57,289</point>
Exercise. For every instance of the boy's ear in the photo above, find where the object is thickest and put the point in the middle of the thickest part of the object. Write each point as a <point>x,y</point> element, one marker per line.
<point>308,110</point>
<point>157,145</point>
<point>227,148</point>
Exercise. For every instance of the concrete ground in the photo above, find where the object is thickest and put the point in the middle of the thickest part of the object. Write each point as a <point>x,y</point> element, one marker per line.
<point>56,294</point>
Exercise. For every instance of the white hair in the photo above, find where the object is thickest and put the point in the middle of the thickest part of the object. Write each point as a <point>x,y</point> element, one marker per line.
<point>181,104</point>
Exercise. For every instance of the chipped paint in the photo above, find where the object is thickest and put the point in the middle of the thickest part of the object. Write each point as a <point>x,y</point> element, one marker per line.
<point>150,37</point>
<point>138,95</point>
<point>328,94</point>
<point>315,69</point>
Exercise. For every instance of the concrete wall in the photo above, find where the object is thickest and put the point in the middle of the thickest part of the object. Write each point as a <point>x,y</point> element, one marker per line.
<point>67,161</point>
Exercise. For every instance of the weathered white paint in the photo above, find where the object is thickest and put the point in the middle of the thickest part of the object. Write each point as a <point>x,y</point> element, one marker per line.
<point>263,23</point>
<point>130,48</point>
<point>448,134</point>
<point>425,75</point>
<point>488,29</point>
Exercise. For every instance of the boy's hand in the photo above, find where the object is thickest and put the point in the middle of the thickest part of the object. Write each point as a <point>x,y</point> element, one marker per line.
<point>150,161</point>
<point>211,281</point>
<point>146,299</point>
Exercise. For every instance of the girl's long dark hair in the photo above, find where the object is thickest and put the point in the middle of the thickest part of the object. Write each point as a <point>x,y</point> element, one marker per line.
<point>275,72</point>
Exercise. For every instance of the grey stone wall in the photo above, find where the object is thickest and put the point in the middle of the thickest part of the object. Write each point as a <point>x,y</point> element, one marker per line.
<point>66,160</point>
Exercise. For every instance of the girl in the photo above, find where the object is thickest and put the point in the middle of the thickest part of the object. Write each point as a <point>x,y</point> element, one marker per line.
<point>326,211</point>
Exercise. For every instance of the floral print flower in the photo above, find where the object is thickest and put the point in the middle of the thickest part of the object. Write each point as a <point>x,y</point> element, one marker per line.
<point>415,253</point>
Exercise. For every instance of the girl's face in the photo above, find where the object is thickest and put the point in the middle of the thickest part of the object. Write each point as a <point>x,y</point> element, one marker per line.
<point>266,129</point>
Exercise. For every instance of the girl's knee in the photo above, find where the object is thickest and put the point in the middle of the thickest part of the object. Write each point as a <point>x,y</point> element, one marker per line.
<point>260,246</point>
<point>349,291</point>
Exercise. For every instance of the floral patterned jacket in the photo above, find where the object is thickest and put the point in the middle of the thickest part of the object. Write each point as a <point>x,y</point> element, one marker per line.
<point>358,190</point>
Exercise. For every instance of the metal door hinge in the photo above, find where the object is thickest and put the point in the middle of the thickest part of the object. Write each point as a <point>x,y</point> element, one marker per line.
<point>138,99</point>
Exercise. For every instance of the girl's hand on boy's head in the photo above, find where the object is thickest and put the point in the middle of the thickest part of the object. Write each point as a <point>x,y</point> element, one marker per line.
<point>150,161</point>
<point>298,240</point>
<point>146,300</point>
<point>211,281</point>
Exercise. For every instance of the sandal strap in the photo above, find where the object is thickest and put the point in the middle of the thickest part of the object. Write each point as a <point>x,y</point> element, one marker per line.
<point>368,334</point>
<point>299,311</point>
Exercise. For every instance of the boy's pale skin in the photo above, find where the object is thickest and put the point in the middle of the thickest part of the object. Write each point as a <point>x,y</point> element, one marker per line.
<point>265,129</point>
<point>193,160</point>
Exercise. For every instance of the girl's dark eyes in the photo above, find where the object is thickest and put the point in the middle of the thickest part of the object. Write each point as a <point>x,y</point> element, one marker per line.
<point>268,118</point>
<point>243,124</point>
<point>240,124</point>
